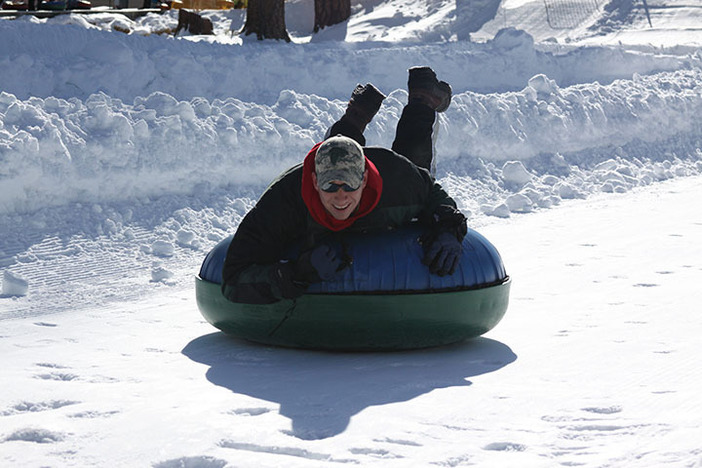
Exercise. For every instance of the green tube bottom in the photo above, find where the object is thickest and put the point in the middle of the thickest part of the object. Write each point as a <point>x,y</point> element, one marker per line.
<point>358,322</point>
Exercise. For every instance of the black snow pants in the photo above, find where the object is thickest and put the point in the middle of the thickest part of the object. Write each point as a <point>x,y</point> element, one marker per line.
<point>413,136</point>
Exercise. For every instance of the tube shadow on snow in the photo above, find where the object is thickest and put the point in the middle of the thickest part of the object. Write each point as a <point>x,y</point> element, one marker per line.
<point>320,391</point>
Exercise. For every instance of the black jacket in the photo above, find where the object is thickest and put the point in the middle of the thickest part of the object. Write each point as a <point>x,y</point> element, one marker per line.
<point>281,220</point>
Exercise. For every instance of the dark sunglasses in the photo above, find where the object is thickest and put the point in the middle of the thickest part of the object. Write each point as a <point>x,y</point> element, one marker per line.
<point>331,187</point>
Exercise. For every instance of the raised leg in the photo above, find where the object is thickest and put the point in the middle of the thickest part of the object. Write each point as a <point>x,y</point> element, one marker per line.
<point>364,104</point>
<point>414,134</point>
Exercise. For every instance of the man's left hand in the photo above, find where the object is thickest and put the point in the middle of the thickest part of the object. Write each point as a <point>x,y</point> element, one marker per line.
<point>443,254</point>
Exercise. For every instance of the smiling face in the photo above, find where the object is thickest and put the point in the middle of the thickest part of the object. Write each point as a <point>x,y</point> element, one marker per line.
<point>340,204</point>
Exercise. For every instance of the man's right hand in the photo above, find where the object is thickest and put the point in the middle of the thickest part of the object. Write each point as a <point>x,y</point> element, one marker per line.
<point>314,265</point>
<point>318,264</point>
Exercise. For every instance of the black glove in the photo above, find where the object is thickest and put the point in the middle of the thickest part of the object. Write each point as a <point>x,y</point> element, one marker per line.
<point>312,266</point>
<point>318,264</point>
<point>443,254</point>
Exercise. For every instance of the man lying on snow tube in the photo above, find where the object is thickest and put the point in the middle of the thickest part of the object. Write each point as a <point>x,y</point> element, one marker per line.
<point>342,191</point>
<point>386,299</point>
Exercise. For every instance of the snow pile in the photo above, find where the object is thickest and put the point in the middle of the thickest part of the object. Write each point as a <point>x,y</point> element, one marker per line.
<point>544,118</point>
<point>13,285</point>
<point>103,150</point>
<point>185,69</point>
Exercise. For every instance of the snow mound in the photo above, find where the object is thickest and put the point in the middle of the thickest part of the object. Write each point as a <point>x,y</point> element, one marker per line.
<point>13,285</point>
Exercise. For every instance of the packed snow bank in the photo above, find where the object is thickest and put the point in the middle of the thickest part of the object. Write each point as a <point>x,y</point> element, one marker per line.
<point>103,150</point>
<point>544,118</point>
<point>67,61</point>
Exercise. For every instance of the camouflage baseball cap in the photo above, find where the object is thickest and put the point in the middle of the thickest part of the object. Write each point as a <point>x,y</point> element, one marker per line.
<point>339,158</point>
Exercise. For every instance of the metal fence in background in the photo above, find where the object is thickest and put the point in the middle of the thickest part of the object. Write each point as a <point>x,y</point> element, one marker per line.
<point>568,14</point>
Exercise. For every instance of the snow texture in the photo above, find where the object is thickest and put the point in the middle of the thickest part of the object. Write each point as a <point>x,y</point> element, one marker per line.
<point>573,143</point>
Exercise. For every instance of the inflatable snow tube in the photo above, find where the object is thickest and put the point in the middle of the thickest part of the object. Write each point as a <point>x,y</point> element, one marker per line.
<point>386,300</point>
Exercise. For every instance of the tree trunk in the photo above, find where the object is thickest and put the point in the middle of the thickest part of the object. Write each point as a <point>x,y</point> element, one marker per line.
<point>330,12</point>
<point>266,19</point>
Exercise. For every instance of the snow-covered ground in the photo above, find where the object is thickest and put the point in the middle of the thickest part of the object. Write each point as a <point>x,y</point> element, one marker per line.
<point>573,143</point>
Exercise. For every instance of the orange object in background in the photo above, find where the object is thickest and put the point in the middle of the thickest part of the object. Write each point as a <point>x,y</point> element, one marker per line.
<point>204,4</point>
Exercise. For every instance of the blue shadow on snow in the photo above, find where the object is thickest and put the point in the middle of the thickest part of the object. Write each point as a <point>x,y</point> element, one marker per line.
<point>320,391</point>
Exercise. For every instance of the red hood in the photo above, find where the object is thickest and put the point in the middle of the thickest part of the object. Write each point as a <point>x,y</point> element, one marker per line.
<point>369,199</point>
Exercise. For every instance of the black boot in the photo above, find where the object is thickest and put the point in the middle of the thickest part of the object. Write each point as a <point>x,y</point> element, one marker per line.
<point>426,89</point>
<point>364,104</point>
